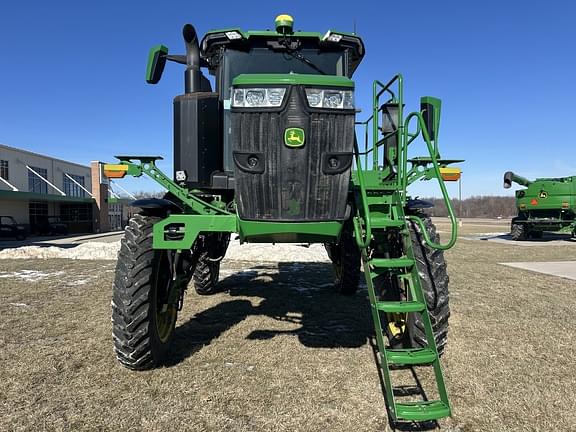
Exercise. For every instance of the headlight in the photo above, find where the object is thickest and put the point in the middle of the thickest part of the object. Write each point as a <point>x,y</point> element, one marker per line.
<point>333,99</point>
<point>314,97</point>
<point>258,97</point>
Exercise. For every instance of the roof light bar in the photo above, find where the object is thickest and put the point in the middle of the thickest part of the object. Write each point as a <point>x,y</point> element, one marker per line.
<point>332,37</point>
<point>234,35</point>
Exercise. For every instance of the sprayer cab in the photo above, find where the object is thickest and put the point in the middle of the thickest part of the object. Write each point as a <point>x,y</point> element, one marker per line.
<point>274,92</point>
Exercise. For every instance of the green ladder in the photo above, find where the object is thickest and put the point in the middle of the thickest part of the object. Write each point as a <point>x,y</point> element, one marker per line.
<point>403,267</point>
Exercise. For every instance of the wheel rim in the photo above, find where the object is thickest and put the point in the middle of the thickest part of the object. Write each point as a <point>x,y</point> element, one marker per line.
<point>337,263</point>
<point>338,271</point>
<point>165,314</point>
<point>396,325</point>
<point>164,322</point>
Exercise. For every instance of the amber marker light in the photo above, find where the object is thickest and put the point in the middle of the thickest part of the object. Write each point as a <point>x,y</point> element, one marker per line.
<point>115,170</point>
<point>450,174</point>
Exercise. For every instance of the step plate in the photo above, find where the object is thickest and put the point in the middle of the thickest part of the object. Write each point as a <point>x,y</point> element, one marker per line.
<point>400,306</point>
<point>414,356</point>
<point>387,263</point>
<point>422,411</point>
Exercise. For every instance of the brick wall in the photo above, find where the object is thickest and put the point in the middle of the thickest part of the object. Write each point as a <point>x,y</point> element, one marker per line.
<point>100,192</point>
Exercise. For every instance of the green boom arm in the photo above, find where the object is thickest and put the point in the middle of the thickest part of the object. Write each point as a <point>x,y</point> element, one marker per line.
<point>510,177</point>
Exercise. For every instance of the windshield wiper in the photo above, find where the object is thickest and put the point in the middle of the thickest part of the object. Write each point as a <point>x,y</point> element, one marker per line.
<point>292,49</point>
<point>299,56</point>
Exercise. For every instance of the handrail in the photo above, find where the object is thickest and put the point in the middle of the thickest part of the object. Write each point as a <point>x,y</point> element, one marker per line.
<point>362,241</point>
<point>454,228</point>
<point>367,152</point>
<point>405,138</point>
<point>375,108</point>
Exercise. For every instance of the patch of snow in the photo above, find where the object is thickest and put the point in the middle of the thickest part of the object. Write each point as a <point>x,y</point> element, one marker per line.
<point>30,275</point>
<point>79,282</point>
<point>19,304</point>
<point>84,251</point>
<point>254,252</point>
<point>279,252</point>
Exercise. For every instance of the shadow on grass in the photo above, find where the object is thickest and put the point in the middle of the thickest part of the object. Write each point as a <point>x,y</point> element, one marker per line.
<point>300,293</point>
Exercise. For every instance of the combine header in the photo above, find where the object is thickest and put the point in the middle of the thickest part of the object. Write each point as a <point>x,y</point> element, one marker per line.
<point>271,154</point>
<point>547,204</point>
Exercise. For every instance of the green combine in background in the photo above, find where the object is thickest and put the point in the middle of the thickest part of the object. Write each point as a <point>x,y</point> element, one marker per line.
<point>547,204</point>
<point>271,154</point>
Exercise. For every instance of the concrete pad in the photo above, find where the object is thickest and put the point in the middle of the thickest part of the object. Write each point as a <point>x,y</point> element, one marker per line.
<point>563,269</point>
<point>549,239</point>
<point>70,240</point>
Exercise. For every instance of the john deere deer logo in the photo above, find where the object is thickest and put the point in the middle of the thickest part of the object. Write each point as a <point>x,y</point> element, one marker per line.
<point>294,137</point>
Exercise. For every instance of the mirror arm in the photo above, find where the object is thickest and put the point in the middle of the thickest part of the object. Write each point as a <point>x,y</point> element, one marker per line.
<point>176,58</point>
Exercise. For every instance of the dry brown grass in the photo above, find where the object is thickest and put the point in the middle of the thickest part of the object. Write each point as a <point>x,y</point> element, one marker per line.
<point>277,351</point>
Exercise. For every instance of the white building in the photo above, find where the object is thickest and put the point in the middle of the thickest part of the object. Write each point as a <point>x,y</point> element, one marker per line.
<point>34,187</point>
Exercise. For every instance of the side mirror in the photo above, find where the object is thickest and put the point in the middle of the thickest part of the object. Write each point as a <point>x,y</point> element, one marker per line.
<point>156,63</point>
<point>430,109</point>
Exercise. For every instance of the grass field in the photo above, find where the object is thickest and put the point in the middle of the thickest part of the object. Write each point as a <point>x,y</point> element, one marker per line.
<point>278,351</point>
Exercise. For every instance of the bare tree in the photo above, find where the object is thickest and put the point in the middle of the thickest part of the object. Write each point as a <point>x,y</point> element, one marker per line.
<point>149,194</point>
<point>476,206</point>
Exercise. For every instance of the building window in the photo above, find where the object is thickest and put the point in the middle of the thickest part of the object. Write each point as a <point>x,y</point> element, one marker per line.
<point>35,183</point>
<point>4,169</point>
<point>72,189</point>
<point>77,217</point>
<point>38,215</point>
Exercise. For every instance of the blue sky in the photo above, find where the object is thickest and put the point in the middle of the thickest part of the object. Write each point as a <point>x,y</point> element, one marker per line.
<point>73,75</point>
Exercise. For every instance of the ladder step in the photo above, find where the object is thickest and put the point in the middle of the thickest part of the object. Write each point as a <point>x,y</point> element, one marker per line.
<point>421,411</point>
<point>411,356</point>
<point>387,263</point>
<point>400,306</point>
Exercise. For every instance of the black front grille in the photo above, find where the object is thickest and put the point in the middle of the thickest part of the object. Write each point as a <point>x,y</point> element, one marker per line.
<point>275,182</point>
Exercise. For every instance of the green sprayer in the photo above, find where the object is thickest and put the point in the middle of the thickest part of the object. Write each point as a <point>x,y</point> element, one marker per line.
<point>547,204</point>
<point>271,154</point>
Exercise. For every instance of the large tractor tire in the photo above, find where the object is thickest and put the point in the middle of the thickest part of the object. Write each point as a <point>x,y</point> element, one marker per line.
<point>346,261</point>
<point>407,330</point>
<point>434,281</point>
<point>142,324</point>
<point>210,252</point>
<point>518,232</point>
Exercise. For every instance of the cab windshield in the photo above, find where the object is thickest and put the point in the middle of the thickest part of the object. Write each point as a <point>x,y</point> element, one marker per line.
<point>263,61</point>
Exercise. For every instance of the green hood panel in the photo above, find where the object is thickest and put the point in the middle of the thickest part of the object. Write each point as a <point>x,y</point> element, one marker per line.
<point>293,79</point>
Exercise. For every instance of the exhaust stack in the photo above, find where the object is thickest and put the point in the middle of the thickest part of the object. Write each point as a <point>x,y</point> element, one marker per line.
<point>192,75</point>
